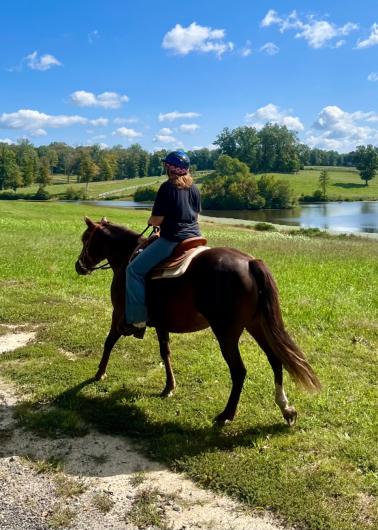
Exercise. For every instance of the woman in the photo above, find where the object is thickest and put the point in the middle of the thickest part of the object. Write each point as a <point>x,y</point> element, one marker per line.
<point>175,211</point>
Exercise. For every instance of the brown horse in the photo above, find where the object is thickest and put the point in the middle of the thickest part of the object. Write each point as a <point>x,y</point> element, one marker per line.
<point>223,288</point>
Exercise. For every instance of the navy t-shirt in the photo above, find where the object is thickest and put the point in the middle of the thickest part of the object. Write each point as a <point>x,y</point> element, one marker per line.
<point>180,207</point>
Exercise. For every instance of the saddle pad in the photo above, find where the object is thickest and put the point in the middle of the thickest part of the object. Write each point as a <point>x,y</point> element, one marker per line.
<point>167,270</point>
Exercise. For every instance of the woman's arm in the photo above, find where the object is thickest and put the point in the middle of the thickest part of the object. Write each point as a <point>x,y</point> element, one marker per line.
<point>155,220</point>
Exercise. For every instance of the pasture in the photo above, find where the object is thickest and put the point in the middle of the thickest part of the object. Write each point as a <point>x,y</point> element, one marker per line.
<point>321,474</point>
<point>345,184</point>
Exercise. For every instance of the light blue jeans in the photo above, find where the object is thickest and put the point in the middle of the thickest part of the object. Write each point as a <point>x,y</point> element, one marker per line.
<point>136,272</point>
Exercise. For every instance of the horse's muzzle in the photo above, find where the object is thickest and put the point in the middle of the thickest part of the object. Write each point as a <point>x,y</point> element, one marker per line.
<point>80,269</point>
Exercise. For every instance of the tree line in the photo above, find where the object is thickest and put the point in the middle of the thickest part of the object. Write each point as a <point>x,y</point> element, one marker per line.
<point>273,148</point>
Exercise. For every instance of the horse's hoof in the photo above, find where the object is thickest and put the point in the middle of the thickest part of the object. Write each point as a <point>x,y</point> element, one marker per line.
<point>221,421</point>
<point>167,392</point>
<point>100,376</point>
<point>290,415</point>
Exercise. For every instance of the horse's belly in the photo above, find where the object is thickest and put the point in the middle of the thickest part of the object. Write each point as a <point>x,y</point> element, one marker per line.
<point>171,306</point>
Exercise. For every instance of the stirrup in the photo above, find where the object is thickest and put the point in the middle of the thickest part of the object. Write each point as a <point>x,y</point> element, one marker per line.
<point>130,329</point>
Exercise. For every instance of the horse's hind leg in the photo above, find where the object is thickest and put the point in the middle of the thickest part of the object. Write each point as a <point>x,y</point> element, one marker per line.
<point>288,412</point>
<point>165,353</point>
<point>110,341</point>
<point>229,343</point>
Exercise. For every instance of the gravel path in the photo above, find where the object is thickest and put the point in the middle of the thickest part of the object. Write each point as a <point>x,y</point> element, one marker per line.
<point>99,482</point>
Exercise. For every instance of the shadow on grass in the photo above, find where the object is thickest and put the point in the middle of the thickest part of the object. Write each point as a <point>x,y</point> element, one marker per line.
<point>348,185</point>
<point>115,413</point>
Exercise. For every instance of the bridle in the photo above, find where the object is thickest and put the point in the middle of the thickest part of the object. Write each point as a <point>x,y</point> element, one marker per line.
<point>85,256</point>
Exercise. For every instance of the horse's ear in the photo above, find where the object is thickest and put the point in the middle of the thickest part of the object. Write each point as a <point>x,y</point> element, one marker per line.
<point>89,222</point>
<point>104,221</point>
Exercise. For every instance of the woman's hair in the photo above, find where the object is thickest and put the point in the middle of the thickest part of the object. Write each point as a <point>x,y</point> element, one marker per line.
<point>183,181</point>
<point>180,177</point>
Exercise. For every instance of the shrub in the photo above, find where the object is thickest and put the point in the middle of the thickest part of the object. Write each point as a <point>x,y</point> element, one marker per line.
<point>263,227</point>
<point>147,193</point>
<point>41,195</point>
<point>317,196</point>
<point>73,195</point>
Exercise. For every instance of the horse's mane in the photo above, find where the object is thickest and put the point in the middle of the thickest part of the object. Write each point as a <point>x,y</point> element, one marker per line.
<point>119,231</point>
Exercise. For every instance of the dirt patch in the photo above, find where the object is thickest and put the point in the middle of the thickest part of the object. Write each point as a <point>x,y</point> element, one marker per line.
<point>12,341</point>
<point>99,482</point>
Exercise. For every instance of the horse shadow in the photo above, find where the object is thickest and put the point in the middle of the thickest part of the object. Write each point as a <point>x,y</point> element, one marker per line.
<point>117,414</point>
<point>120,438</point>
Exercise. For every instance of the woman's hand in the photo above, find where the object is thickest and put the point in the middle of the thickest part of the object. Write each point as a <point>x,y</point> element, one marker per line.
<point>155,220</point>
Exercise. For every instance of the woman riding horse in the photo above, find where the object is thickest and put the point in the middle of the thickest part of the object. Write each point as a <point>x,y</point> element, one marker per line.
<point>175,211</point>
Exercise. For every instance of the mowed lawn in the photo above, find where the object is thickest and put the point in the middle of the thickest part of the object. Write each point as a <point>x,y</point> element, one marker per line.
<point>321,474</point>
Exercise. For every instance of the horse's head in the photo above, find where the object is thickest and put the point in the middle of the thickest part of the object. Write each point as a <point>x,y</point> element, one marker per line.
<point>93,251</point>
<point>104,240</point>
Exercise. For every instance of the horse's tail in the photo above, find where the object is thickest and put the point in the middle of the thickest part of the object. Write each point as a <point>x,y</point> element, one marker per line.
<point>274,331</point>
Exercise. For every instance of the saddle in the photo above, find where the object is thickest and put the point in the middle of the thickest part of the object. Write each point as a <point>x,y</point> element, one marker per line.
<point>177,264</point>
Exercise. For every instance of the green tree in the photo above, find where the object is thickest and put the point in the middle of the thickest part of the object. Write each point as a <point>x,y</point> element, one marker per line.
<point>44,176</point>
<point>156,165</point>
<point>366,160</point>
<point>10,174</point>
<point>228,166</point>
<point>323,182</point>
<point>27,161</point>
<point>106,171</point>
<point>87,169</point>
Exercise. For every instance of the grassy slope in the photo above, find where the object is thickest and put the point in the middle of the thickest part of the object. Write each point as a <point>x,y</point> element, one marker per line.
<point>345,184</point>
<point>321,474</point>
<point>124,187</point>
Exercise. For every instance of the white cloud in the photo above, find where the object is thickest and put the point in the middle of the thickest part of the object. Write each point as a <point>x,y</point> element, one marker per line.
<point>373,76</point>
<point>43,62</point>
<point>272,113</point>
<point>6,141</point>
<point>189,128</point>
<point>270,48</point>
<point>165,131</point>
<point>36,122</point>
<point>99,122</point>
<point>122,121</point>
<point>337,129</point>
<point>38,132</point>
<point>246,51</point>
<point>97,137</point>
<point>165,139</point>
<point>372,40</point>
<point>317,33</point>
<point>171,116</point>
<point>196,38</point>
<point>127,133</point>
<point>106,100</point>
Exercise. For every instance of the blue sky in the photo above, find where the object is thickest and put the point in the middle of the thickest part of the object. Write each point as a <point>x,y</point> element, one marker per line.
<point>170,74</point>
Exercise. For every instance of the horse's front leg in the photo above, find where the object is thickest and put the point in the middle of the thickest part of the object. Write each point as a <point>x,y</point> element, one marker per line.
<point>110,341</point>
<point>170,383</point>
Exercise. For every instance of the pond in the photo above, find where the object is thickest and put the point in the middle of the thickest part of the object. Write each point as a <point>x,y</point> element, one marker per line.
<point>344,217</point>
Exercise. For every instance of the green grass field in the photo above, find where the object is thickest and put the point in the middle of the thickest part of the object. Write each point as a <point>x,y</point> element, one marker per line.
<point>345,184</point>
<point>124,188</point>
<point>320,475</point>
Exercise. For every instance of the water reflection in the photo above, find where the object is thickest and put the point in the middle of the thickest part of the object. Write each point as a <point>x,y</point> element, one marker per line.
<point>346,217</point>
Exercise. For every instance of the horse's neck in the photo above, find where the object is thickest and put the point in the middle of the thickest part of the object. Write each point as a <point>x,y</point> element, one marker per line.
<point>120,251</point>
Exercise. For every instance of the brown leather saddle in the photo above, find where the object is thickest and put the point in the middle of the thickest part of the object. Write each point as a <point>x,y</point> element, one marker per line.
<point>178,261</point>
